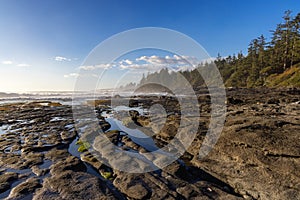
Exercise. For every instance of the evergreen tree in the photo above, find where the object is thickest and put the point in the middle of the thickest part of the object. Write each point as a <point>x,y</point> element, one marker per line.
<point>263,60</point>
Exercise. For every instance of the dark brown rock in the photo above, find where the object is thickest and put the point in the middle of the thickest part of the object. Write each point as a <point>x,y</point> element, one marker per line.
<point>132,186</point>
<point>6,179</point>
<point>69,163</point>
<point>73,185</point>
<point>24,189</point>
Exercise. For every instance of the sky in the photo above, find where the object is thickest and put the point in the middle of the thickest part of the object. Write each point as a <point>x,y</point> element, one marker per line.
<point>43,44</point>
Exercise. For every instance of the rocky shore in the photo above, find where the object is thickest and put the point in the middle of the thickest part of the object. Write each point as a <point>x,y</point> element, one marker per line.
<point>43,155</point>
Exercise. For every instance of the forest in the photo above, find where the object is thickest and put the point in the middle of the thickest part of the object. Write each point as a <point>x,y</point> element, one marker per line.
<point>273,62</point>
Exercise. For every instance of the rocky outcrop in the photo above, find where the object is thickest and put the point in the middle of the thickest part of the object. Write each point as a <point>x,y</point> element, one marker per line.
<point>73,185</point>
<point>256,157</point>
<point>258,151</point>
<point>24,189</point>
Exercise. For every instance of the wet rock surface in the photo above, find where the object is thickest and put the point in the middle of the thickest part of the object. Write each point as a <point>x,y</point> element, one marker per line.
<point>25,189</point>
<point>34,159</point>
<point>43,156</point>
<point>73,185</point>
<point>258,151</point>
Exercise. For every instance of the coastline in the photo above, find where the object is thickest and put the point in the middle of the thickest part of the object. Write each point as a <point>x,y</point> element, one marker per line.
<point>39,153</point>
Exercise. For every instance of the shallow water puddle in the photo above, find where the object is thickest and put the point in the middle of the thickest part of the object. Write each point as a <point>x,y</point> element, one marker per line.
<point>57,119</point>
<point>126,108</point>
<point>46,164</point>
<point>136,135</point>
<point>14,184</point>
<point>3,129</point>
<point>73,149</point>
<point>69,126</point>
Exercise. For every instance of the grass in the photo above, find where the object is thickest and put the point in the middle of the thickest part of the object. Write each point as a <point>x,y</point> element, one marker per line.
<point>291,77</point>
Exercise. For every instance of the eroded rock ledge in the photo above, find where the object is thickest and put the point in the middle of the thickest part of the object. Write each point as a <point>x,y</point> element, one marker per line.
<point>256,157</point>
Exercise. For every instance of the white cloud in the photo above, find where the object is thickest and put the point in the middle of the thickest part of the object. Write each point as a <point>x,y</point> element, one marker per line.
<point>208,60</point>
<point>167,60</point>
<point>127,61</point>
<point>88,67</point>
<point>155,62</point>
<point>93,67</point>
<point>75,75</point>
<point>149,63</point>
<point>23,65</point>
<point>192,60</point>
<point>147,66</point>
<point>7,62</point>
<point>60,58</point>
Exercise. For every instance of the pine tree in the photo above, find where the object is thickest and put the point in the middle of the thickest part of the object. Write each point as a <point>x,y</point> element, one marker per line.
<point>287,35</point>
<point>295,40</point>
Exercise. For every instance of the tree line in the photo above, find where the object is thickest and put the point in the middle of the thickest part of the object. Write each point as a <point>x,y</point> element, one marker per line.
<point>264,58</point>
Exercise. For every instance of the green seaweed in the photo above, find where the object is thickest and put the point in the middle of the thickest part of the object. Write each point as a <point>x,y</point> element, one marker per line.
<point>107,175</point>
<point>83,146</point>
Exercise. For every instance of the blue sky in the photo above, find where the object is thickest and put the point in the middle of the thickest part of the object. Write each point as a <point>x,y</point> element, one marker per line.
<point>43,43</point>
